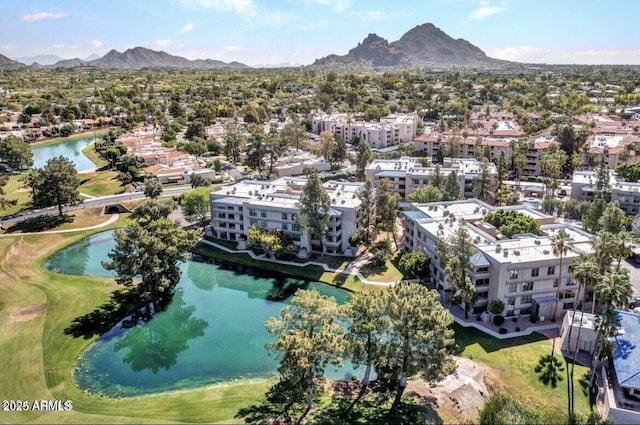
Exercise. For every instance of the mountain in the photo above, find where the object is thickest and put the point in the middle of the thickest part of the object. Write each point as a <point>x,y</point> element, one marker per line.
<point>39,59</point>
<point>141,57</point>
<point>423,45</point>
<point>9,64</point>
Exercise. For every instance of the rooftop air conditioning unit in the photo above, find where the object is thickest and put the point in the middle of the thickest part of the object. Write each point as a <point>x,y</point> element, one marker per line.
<point>498,247</point>
<point>505,253</point>
<point>537,242</point>
<point>545,252</point>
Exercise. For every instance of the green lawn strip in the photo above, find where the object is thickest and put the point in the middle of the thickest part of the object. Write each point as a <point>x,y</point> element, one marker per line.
<point>515,359</point>
<point>97,134</point>
<point>100,183</point>
<point>14,190</point>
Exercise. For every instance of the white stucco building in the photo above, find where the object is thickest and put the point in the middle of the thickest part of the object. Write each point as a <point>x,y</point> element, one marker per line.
<point>522,271</point>
<point>391,130</point>
<point>275,204</point>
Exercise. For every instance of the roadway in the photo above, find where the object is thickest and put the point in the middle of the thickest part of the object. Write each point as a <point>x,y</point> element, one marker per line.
<point>89,203</point>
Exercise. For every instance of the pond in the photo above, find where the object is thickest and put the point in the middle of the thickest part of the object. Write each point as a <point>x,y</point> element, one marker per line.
<point>211,332</point>
<point>71,149</point>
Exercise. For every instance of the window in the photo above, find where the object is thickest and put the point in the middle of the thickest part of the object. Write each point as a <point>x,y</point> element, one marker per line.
<point>525,299</point>
<point>482,269</point>
<point>535,272</point>
<point>511,300</point>
<point>551,270</point>
<point>252,212</point>
<point>567,306</point>
<point>512,287</point>
<point>263,214</point>
<point>556,282</point>
<point>263,224</point>
<point>527,286</point>
<point>285,226</point>
<point>252,221</point>
<point>232,216</point>
<point>483,295</point>
<point>284,216</point>
<point>482,282</point>
<point>513,274</point>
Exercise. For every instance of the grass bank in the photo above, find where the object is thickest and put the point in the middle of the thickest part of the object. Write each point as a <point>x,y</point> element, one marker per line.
<point>97,133</point>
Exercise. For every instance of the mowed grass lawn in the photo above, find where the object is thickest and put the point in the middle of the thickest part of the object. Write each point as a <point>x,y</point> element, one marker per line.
<point>38,358</point>
<point>511,365</point>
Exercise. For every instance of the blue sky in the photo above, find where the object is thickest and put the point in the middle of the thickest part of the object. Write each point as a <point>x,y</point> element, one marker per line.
<point>272,32</point>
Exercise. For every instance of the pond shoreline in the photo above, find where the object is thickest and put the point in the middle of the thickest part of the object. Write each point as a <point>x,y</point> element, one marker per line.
<point>49,141</point>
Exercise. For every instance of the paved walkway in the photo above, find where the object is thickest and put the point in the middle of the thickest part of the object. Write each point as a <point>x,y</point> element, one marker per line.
<point>111,220</point>
<point>352,269</point>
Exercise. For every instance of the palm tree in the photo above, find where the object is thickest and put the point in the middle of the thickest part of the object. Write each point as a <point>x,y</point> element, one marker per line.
<point>602,253</point>
<point>584,271</point>
<point>614,290</point>
<point>560,244</point>
<point>622,247</point>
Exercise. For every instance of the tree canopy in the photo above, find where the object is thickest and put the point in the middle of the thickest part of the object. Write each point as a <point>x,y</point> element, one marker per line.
<point>511,222</point>
<point>55,184</point>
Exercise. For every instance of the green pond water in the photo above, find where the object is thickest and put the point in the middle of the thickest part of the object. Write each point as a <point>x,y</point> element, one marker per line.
<point>211,332</point>
<point>71,149</point>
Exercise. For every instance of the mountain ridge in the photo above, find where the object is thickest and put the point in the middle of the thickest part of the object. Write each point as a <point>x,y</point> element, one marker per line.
<point>424,44</point>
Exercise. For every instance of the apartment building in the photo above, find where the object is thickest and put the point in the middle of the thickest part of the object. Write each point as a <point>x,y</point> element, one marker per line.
<point>391,130</point>
<point>626,194</point>
<point>276,204</point>
<point>430,144</point>
<point>407,174</point>
<point>522,271</point>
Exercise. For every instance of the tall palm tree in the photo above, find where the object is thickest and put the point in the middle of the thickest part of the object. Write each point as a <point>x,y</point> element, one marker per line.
<point>560,244</point>
<point>602,254</point>
<point>621,248</point>
<point>584,271</point>
<point>614,290</point>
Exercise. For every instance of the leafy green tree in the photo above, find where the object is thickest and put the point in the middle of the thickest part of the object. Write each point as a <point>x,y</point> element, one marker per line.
<point>367,209</point>
<point>367,323</point>
<point>196,205</point>
<point>197,180</point>
<point>595,211</point>
<point>363,158</point>
<point>293,134</point>
<point>614,219</point>
<point>386,206</point>
<point>502,409</point>
<point>256,152</point>
<point>315,207</point>
<point>451,190</point>
<point>414,265</point>
<point>273,241</point>
<point>153,209</point>
<point>381,252</point>
<point>16,153</point>
<point>511,222</point>
<point>195,130</point>
<point>327,144</point>
<point>146,259</point>
<point>339,153</point>
<point>552,162</point>
<point>418,337</point>
<point>309,336</point>
<point>55,184</point>
<point>152,187</point>
<point>235,141</point>
<point>483,182</point>
<point>425,194</point>
<point>457,256</point>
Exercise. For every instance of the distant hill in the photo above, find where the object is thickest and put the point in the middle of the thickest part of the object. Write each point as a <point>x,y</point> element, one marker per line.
<point>423,45</point>
<point>141,57</point>
<point>9,64</point>
<point>39,59</point>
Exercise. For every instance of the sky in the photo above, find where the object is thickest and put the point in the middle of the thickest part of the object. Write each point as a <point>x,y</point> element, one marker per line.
<point>296,32</point>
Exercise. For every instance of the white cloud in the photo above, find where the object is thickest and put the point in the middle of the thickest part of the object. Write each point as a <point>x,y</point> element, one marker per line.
<point>167,43</point>
<point>239,7</point>
<point>485,11</point>
<point>96,44</point>
<point>338,5</point>
<point>531,54</point>
<point>187,28</point>
<point>41,16</point>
